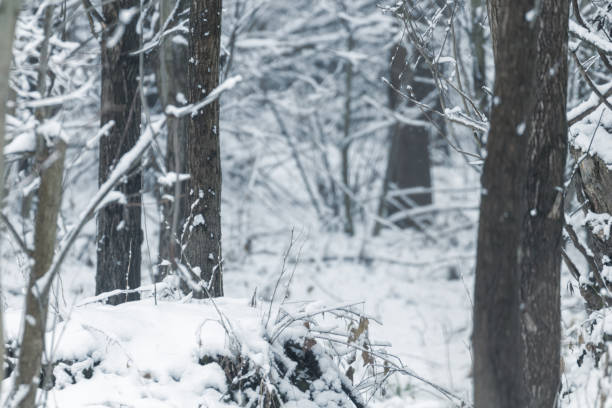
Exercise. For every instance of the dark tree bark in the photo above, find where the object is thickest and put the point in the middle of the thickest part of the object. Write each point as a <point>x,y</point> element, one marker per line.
<point>172,81</point>
<point>119,225</point>
<point>541,241</point>
<point>499,354</point>
<point>517,300</point>
<point>409,163</point>
<point>202,235</point>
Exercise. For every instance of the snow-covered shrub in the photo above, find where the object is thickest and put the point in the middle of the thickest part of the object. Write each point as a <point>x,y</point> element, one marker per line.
<point>589,364</point>
<point>307,363</point>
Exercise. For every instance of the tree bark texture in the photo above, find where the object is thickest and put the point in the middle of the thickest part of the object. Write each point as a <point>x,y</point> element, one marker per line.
<point>9,10</point>
<point>499,355</point>
<point>202,234</point>
<point>173,81</point>
<point>409,163</point>
<point>541,241</point>
<point>119,226</point>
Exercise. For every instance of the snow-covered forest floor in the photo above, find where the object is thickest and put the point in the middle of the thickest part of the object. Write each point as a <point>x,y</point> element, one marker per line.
<point>418,288</point>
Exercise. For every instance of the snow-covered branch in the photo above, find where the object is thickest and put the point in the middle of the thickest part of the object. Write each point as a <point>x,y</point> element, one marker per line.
<point>213,96</point>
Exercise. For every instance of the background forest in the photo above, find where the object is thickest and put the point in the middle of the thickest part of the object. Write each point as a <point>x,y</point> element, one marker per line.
<point>266,203</point>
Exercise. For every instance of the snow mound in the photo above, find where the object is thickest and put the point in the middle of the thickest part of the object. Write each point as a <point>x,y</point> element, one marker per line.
<point>225,353</point>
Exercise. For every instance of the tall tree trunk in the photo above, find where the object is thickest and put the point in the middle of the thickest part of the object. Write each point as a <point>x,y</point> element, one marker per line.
<point>202,235</point>
<point>541,242</point>
<point>9,10</point>
<point>173,82</point>
<point>517,315</point>
<point>499,354</point>
<point>119,225</point>
<point>50,162</point>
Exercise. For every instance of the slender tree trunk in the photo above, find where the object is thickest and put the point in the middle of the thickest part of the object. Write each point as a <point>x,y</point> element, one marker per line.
<point>479,73</point>
<point>37,304</point>
<point>348,211</point>
<point>119,225</point>
<point>50,162</point>
<point>202,234</point>
<point>173,83</point>
<point>9,10</point>
<point>499,353</point>
<point>541,242</point>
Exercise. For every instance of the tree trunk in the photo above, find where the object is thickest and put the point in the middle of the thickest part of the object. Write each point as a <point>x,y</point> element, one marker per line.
<point>409,163</point>
<point>541,240</point>
<point>119,225</point>
<point>9,10</point>
<point>499,354</point>
<point>479,73</point>
<point>172,82</point>
<point>349,228</point>
<point>202,234</point>
<point>50,162</point>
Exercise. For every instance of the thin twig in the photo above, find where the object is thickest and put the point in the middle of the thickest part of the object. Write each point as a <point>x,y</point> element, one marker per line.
<point>15,235</point>
<point>590,82</point>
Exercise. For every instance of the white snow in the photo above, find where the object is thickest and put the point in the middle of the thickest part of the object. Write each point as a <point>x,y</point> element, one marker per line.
<point>22,143</point>
<point>592,135</point>
<point>148,354</point>
<point>170,178</point>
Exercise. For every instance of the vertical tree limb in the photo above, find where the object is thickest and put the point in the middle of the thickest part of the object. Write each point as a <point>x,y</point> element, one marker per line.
<point>9,10</point>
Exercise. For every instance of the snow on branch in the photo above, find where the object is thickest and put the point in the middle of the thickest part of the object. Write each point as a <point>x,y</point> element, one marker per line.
<point>593,39</point>
<point>213,96</point>
<point>61,99</point>
<point>589,106</point>
<point>454,116</point>
<point>154,287</point>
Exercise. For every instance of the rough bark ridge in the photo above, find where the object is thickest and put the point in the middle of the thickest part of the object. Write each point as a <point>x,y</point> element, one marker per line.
<point>409,162</point>
<point>172,81</point>
<point>202,234</point>
<point>119,226</point>
<point>499,356</point>
<point>541,241</point>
